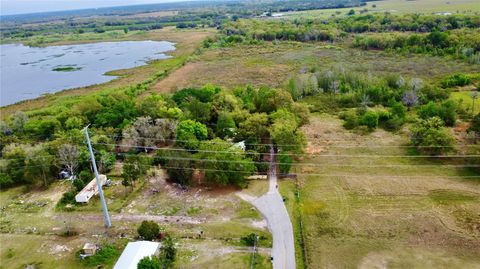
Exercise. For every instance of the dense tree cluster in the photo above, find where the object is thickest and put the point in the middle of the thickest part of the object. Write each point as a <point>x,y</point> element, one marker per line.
<point>194,133</point>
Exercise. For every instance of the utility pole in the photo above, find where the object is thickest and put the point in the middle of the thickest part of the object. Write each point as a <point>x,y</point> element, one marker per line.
<point>108,224</point>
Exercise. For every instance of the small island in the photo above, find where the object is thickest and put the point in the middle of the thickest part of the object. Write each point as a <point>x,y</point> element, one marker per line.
<point>66,68</point>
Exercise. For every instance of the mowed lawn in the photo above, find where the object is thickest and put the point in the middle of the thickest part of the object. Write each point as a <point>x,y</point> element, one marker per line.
<point>416,215</point>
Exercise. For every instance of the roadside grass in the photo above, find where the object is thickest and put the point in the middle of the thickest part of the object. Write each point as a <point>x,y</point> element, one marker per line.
<point>372,216</point>
<point>257,187</point>
<point>395,7</point>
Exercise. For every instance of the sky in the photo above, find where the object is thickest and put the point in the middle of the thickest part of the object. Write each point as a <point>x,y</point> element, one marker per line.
<point>9,7</point>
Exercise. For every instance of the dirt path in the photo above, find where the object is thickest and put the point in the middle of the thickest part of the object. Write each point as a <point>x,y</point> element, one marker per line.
<point>140,217</point>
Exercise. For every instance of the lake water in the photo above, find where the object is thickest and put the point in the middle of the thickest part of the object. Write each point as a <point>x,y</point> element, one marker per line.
<point>28,72</point>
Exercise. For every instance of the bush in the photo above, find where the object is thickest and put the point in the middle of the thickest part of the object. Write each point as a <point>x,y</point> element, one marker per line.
<point>149,263</point>
<point>394,124</point>
<point>148,230</point>
<point>456,80</point>
<point>431,137</point>
<point>285,163</point>
<point>68,198</point>
<point>105,256</point>
<point>351,119</point>
<point>369,119</point>
<point>249,240</point>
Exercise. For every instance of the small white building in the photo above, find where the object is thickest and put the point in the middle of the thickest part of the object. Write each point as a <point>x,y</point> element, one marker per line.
<point>90,190</point>
<point>134,252</point>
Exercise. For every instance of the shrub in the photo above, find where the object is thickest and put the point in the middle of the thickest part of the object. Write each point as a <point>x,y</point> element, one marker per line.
<point>369,119</point>
<point>394,124</point>
<point>431,137</point>
<point>351,119</point>
<point>456,80</point>
<point>105,256</point>
<point>148,230</point>
<point>68,198</point>
<point>398,110</point>
<point>285,163</point>
<point>149,263</point>
<point>249,240</point>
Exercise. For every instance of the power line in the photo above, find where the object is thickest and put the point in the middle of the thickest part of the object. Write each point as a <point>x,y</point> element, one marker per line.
<point>307,174</point>
<point>290,145</point>
<point>303,164</point>
<point>293,154</point>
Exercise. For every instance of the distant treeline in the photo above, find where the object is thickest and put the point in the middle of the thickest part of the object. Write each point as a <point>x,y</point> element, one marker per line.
<point>190,14</point>
<point>456,35</point>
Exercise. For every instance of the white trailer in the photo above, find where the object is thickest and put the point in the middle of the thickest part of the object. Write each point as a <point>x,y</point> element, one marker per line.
<point>90,190</point>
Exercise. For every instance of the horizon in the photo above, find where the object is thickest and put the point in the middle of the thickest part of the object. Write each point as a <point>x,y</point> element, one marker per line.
<point>24,7</point>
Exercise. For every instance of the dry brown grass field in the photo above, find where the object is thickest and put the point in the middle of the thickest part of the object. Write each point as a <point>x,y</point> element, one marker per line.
<point>359,213</point>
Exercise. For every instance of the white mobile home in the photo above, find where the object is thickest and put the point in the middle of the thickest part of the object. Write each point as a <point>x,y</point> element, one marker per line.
<point>134,252</point>
<point>90,190</point>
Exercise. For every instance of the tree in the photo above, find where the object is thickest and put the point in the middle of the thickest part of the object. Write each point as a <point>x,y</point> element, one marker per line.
<point>410,98</point>
<point>351,12</point>
<point>43,128</point>
<point>190,133</point>
<point>133,168</point>
<point>179,166</point>
<point>168,252</point>
<point>225,125</point>
<point>74,123</point>
<point>431,137</point>
<point>149,263</point>
<point>17,121</point>
<point>68,156</point>
<point>15,156</point>
<point>285,133</point>
<point>105,161</point>
<point>255,126</point>
<point>39,165</point>
<point>117,111</point>
<point>146,132</point>
<point>285,163</point>
<point>148,230</point>
<point>224,163</point>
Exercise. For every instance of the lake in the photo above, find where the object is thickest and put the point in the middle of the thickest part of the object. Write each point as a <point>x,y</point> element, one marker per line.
<point>29,72</point>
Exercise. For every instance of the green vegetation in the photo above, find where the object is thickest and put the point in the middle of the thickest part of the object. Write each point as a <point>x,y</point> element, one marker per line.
<point>148,230</point>
<point>66,68</point>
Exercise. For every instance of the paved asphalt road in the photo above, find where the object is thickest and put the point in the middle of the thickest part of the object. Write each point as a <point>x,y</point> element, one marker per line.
<point>273,209</point>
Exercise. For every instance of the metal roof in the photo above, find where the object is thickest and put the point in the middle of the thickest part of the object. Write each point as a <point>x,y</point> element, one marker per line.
<point>134,252</point>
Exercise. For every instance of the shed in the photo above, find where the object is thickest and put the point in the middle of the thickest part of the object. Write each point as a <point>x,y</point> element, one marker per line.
<point>89,249</point>
<point>90,190</point>
<point>134,252</point>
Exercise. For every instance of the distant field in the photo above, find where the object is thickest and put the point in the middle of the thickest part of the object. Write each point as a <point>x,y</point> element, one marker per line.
<point>399,7</point>
<point>375,217</point>
<point>272,65</point>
